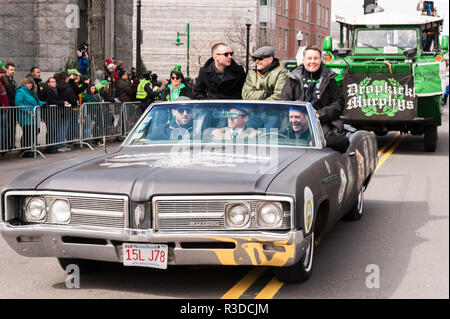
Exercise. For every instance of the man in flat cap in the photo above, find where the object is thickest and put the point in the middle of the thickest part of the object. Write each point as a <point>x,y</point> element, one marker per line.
<point>265,82</point>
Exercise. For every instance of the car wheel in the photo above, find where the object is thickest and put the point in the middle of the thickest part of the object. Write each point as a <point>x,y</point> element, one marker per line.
<point>85,266</point>
<point>356,212</point>
<point>381,133</point>
<point>430,138</point>
<point>301,271</point>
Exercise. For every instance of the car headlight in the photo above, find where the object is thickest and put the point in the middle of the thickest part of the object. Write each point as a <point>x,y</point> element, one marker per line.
<point>35,210</point>
<point>237,215</point>
<point>60,211</point>
<point>269,214</point>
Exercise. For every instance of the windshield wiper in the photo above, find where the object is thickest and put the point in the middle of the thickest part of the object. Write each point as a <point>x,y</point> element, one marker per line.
<point>370,46</point>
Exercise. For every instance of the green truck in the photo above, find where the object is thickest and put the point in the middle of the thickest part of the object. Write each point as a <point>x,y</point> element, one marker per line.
<point>392,73</point>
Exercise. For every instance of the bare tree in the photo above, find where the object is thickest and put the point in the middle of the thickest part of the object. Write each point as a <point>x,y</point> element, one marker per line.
<point>96,18</point>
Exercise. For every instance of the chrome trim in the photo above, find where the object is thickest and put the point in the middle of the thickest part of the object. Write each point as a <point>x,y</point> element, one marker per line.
<point>232,199</point>
<point>64,195</point>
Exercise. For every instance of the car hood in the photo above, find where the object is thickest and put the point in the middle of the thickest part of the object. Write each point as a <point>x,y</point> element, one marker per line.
<point>142,172</point>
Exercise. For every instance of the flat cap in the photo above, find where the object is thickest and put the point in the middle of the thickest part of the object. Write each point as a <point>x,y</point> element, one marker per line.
<point>264,52</point>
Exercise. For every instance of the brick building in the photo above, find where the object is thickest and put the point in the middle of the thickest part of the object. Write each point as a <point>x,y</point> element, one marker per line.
<point>312,17</point>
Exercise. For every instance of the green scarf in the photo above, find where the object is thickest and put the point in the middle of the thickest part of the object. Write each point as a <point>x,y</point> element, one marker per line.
<point>175,94</point>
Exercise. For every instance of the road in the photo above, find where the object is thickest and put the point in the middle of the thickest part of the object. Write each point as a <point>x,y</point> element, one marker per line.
<point>399,249</point>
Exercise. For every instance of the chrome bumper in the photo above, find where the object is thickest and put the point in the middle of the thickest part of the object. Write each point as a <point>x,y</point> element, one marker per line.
<point>258,248</point>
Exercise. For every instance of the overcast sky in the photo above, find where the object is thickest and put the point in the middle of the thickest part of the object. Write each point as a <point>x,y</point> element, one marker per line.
<point>351,7</point>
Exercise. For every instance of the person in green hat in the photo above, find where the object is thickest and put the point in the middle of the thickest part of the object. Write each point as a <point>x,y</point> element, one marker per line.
<point>177,86</point>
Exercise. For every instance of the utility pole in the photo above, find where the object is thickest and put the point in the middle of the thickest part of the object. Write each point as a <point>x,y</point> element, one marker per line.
<point>138,40</point>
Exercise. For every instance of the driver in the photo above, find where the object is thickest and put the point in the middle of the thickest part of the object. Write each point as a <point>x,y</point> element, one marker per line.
<point>299,126</point>
<point>178,127</point>
<point>237,126</point>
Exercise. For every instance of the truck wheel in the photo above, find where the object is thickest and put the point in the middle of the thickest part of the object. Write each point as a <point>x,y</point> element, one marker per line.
<point>85,266</point>
<point>301,271</point>
<point>430,138</point>
<point>356,212</point>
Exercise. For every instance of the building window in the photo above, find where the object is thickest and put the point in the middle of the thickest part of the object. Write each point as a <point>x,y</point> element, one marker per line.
<point>263,2</point>
<point>318,13</point>
<point>306,40</point>
<point>301,10</point>
<point>327,18</point>
<point>286,8</point>
<point>307,11</point>
<point>279,38</point>
<point>285,39</point>
<point>279,6</point>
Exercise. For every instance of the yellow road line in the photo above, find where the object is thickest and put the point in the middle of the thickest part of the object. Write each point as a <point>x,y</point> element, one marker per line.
<point>242,285</point>
<point>385,146</point>
<point>270,289</point>
<point>389,153</point>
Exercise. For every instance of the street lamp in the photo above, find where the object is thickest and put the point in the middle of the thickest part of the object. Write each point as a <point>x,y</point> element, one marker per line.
<point>178,43</point>
<point>248,23</point>
<point>299,38</point>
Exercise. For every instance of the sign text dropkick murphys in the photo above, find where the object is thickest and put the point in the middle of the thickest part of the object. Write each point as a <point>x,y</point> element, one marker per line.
<point>379,97</point>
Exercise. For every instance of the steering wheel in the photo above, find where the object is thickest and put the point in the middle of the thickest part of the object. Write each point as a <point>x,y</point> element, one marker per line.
<point>273,133</point>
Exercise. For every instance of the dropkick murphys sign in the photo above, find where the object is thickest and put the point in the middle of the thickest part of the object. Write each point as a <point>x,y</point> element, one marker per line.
<point>379,97</point>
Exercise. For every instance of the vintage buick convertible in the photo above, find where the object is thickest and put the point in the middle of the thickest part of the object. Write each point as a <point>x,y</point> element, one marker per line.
<point>196,183</point>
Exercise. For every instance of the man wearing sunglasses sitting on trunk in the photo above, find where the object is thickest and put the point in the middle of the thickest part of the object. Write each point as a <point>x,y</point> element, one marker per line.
<point>221,77</point>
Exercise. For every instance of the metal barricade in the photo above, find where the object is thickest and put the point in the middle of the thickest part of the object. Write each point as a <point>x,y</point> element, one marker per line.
<point>31,129</point>
<point>17,128</point>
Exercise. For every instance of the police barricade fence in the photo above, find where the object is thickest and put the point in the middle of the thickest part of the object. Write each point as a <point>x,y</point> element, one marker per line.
<point>27,128</point>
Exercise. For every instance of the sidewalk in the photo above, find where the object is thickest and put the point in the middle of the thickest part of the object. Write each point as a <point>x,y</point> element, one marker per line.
<point>11,165</point>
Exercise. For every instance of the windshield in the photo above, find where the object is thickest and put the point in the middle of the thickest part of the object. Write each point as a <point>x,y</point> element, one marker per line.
<point>243,123</point>
<point>396,39</point>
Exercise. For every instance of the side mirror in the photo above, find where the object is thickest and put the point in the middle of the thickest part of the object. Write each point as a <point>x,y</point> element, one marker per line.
<point>444,43</point>
<point>328,44</point>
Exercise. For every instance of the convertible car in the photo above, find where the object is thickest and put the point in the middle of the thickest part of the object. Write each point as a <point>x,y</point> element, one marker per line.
<point>196,183</point>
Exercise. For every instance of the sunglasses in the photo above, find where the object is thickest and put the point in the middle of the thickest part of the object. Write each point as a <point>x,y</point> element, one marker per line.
<point>181,110</point>
<point>260,59</point>
<point>226,54</point>
<point>175,77</point>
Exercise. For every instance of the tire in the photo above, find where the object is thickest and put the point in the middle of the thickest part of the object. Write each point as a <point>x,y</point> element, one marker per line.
<point>381,133</point>
<point>301,271</point>
<point>430,138</point>
<point>356,212</point>
<point>85,266</point>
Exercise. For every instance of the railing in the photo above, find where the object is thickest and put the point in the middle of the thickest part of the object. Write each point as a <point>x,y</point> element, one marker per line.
<point>30,129</point>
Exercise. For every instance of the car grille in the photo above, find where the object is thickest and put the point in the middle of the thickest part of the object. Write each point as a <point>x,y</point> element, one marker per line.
<point>202,214</point>
<point>89,211</point>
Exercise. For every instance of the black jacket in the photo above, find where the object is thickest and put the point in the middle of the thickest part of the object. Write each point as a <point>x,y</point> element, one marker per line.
<point>52,97</point>
<point>66,93</point>
<point>209,86</point>
<point>331,101</point>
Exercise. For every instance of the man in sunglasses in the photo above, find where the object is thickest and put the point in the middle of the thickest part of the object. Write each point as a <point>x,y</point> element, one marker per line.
<point>221,77</point>
<point>265,82</point>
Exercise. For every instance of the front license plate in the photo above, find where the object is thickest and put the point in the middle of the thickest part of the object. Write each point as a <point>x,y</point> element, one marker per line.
<point>145,255</point>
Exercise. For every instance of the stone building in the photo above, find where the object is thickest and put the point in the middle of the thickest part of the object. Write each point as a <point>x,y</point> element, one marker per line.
<point>45,33</point>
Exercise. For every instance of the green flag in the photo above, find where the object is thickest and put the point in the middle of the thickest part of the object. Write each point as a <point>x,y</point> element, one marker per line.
<point>428,79</point>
